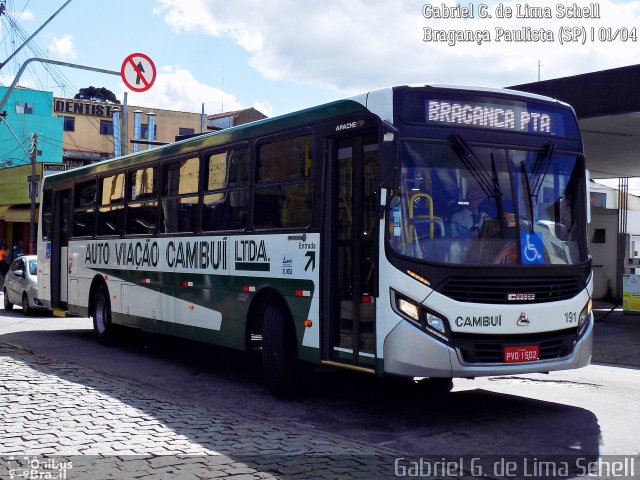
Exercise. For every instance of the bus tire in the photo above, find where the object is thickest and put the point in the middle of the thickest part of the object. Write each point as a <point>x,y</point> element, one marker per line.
<point>278,351</point>
<point>103,327</point>
<point>7,304</point>
<point>437,386</point>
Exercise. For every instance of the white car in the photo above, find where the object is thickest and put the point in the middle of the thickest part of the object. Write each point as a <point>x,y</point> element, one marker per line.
<point>21,285</point>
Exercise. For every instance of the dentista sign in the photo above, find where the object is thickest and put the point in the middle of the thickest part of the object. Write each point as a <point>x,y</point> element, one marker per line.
<point>78,107</point>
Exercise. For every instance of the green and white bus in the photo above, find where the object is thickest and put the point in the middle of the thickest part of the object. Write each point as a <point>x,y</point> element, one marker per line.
<point>345,235</point>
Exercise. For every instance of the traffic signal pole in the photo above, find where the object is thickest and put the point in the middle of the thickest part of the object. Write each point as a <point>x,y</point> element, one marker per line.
<point>52,62</point>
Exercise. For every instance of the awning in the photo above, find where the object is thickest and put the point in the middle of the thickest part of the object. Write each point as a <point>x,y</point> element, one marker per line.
<point>16,213</point>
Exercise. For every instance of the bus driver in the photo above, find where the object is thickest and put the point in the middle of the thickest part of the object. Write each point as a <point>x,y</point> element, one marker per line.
<point>467,222</point>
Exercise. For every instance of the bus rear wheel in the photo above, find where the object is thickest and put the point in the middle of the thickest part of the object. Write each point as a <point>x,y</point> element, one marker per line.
<point>279,357</point>
<point>102,325</point>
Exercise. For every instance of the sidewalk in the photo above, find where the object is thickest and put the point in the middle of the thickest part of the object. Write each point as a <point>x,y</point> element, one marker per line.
<point>616,336</point>
<point>106,427</point>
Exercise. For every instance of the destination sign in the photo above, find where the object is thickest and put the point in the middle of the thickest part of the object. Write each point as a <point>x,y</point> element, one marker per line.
<point>489,116</point>
<point>488,112</point>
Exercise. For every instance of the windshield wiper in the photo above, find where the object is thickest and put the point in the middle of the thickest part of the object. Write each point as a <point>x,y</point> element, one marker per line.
<point>534,182</point>
<point>489,183</point>
<point>474,166</point>
<point>530,194</point>
<point>541,166</point>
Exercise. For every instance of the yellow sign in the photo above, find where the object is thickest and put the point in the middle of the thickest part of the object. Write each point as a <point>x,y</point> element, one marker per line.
<point>631,293</point>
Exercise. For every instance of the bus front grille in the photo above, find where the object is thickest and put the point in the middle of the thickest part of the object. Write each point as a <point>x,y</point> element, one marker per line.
<point>503,290</point>
<point>490,348</point>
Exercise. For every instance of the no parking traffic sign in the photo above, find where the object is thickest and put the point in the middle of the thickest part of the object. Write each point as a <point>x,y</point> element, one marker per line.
<point>138,72</point>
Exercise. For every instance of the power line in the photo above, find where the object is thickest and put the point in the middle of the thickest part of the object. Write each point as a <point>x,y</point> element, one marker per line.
<point>14,135</point>
<point>34,34</point>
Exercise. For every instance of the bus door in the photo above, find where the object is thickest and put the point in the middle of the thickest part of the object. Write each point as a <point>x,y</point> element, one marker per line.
<point>351,275</point>
<point>59,248</point>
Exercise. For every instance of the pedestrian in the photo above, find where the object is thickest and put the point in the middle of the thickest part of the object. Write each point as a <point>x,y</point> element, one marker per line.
<point>4,262</point>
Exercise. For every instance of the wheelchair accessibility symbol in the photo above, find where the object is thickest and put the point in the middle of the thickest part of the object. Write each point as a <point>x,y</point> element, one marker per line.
<point>531,249</point>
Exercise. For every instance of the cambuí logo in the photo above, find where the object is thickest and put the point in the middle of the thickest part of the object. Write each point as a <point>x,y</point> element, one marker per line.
<point>151,254</point>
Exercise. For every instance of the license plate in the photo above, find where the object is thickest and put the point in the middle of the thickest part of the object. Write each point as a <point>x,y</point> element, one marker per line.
<point>526,353</point>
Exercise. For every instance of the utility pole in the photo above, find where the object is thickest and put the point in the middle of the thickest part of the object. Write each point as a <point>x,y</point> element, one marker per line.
<point>33,187</point>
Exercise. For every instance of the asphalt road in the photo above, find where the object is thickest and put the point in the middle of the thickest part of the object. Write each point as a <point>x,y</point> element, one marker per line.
<point>590,412</point>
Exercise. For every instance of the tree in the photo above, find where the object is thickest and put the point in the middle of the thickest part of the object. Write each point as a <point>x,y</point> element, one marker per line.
<point>96,94</point>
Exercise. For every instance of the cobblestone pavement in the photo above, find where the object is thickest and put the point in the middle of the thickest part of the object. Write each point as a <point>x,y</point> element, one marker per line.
<point>68,421</point>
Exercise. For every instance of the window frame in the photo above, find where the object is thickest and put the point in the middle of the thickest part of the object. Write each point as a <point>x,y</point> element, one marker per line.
<point>24,108</point>
<point>246,188</point>
<point>119,203</point>
<point>284,181</point>
<point>46,204</point>
<point>144,130</point>
<point>84,208</point>
<point>15,265</point>
<point>162,196</point>
<point>67,120</point>
<point>106,127</point>
<point>155,197</point>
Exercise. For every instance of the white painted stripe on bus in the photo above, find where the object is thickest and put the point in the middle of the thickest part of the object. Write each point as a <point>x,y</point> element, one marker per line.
<point>312,334</point>
<point>344,350</point>
<point>199,316</point>
<point>348,350</point>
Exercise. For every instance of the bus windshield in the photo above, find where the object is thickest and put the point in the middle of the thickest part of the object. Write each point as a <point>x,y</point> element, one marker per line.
<point>488,205</point>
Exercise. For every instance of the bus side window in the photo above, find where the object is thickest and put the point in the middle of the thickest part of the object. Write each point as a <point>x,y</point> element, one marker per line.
<point>180,196</point>
<point>284,188</point>
<point>47,212</point>
<point>142,209</point>
<point>84,209</point>
<point>226,201</point>
<point>111,210</point>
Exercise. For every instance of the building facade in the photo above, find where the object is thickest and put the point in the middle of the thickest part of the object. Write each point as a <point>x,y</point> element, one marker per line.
<point>220,121</point>
<point>73,132</point>
<point>27,124</point>
<point>91,133</point>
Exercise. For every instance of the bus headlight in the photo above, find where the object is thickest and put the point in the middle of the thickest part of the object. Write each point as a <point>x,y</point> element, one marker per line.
<point>410,309</point>
<point>428,321</point>
<point>436,323</point>
<point>583,319</point>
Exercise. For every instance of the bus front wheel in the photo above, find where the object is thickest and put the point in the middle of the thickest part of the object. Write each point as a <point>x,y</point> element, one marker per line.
<point>102,324</point>
<point>437,386</point>
<point>278,351</point>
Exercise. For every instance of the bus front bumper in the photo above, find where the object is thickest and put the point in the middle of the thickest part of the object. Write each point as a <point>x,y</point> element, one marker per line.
<point>412,353</point>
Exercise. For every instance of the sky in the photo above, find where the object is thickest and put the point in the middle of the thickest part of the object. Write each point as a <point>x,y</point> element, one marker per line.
<point>284,55</point>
